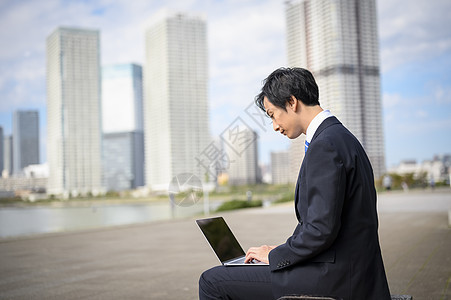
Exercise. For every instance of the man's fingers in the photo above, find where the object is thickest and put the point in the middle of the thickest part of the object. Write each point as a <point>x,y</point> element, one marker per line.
<point>257,253</point>
<point>248,259</point>
<point>251,254</point>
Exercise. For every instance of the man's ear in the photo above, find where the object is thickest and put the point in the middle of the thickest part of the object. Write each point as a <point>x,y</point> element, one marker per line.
<point>293,103</point>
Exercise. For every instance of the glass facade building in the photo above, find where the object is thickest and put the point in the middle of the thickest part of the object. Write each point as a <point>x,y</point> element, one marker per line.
<point>26,139</point>
<point>122,126</point>
<point>123,157</point>
<point>122,98</point>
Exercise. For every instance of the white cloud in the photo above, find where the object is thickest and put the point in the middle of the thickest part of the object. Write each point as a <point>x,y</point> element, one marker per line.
<point>413,31</point>
<point>244,48</point>
<point>246,43</point>
<point>440,94</point>
<point>19,23</point>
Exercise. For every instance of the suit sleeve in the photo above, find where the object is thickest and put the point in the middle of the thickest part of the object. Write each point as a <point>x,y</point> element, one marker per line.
<point>323,191</point>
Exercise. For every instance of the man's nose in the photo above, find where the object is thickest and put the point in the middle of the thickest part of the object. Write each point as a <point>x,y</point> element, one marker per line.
<point>275,126</point>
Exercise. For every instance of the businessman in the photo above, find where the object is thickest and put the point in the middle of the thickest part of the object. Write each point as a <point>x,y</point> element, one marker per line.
<point>334,250</point>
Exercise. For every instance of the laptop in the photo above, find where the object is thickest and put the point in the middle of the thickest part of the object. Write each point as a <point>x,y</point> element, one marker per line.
<point>224,243</point>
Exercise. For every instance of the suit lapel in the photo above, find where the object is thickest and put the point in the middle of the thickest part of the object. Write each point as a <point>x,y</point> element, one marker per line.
<point>326,123</point>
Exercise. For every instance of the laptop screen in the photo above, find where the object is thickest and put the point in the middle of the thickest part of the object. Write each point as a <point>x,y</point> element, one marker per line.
<point>221,238</point>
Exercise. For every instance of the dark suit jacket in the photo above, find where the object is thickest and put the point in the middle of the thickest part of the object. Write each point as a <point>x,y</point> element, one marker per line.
<point>334,250</point>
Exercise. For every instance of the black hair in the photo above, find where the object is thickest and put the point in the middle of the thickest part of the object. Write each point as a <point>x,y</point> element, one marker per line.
<point>283,83</point>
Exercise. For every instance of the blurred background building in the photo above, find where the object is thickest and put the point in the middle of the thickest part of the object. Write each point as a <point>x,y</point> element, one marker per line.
<point>21,175</point>
<point>123,160</point>
<point>338,42</point>
<point>122,126</point>
<point>26,140</point>
<point>437,169</point>
<point>98,137</point>
<point>176,117</point>
<point>73,112</point>
<point>2,159</point>
<point>7,156</point>
<point>280,168</point>
<point>296,153</point>
<point>243,156</point>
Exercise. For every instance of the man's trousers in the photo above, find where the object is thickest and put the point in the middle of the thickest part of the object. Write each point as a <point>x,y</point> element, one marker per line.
<point>236,282</point>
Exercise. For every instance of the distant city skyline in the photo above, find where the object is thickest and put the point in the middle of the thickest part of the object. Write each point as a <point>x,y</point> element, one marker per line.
<point>415,67</point>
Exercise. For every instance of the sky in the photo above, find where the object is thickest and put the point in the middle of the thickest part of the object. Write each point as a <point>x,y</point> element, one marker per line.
<point>246,40</point>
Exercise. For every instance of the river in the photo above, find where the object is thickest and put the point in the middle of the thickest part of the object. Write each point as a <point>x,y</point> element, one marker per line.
<point>25,221</point>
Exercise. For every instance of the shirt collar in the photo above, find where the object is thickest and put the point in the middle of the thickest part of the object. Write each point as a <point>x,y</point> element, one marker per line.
<point>314,124</point>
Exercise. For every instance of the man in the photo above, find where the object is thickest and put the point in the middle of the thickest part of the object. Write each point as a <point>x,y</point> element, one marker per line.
<point>334,249</point>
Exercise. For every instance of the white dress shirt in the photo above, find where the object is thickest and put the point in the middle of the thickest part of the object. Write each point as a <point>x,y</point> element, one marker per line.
<point>314,124</point>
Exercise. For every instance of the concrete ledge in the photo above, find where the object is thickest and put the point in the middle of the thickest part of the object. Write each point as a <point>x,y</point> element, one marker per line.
<point>163,260</point>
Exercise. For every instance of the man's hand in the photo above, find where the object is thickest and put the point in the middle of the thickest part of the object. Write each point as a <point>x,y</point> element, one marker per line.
<point>259,253</point>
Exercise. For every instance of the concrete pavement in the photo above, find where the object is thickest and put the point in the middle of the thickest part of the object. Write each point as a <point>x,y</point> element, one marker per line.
<point>163,260</point>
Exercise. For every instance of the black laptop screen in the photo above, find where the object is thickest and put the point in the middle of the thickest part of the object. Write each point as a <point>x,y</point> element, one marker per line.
<point>221,238</point>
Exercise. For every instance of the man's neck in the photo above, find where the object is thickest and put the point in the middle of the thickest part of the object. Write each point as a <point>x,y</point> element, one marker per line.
<point>310,113</point>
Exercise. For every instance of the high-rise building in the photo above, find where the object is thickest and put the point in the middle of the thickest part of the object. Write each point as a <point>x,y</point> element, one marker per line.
<point>296,153</point>
<point>73,112</point>
<point>337,40</point>
<point>1,151</point>
<point>243,157</point>
<point>123,157</point>
<point>7,156</point>
<point>26,139</point>
<point>122,98</point>
<point>280,168</point>
<point>122,126</point>
<point>176,125</point>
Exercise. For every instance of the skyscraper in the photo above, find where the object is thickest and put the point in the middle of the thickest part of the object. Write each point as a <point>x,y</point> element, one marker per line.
<point>73,112</point>
<point>1,152</point>
<point>26,139</point>
<point>296,153</point>
<point>7,156</point>
<point>122,123</point>
<point>176,125</point>
<point>243,157</point>
<point>122,98</point>
<point>280,167</point>
<point>123,160</point>
<point>338,42</point>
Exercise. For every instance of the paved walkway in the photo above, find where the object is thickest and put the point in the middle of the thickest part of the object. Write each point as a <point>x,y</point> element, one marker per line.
<point>163,260</point>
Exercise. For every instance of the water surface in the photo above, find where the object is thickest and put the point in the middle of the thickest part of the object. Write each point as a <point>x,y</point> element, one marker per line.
<point>20,221</point>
